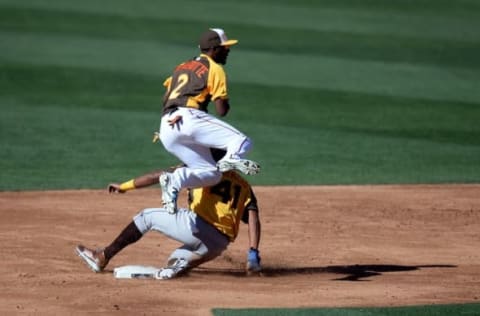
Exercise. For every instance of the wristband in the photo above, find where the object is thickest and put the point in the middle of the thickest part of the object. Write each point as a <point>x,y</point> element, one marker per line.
<point>129,185</point>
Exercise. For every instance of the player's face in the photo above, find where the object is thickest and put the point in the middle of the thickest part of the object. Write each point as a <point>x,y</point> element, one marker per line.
<point>222,54</point>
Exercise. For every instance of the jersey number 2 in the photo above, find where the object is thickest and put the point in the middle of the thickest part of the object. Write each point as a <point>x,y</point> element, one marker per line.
<point>182,80</point>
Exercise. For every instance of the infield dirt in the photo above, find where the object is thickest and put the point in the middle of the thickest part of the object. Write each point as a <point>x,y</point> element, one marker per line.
<point>322,246</point>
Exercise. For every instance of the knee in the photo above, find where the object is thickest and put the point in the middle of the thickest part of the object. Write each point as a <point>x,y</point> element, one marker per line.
<point>211,178</point>
<point>143,221</point>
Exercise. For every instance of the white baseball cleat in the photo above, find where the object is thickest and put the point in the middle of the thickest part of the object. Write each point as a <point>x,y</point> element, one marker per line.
<point>245,166</point>
<point>173,270</point>
<point>169,194</point>
<point>95,259</point>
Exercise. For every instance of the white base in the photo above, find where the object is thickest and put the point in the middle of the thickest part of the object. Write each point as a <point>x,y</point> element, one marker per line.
<point>135,272</point>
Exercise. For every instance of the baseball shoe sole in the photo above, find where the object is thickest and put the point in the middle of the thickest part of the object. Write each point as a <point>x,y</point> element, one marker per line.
<point>169,195</point>
<point>95,259</point>
<point>245,166</point>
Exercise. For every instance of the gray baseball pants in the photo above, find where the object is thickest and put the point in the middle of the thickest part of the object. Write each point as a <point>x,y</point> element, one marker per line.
<point>201,241</point>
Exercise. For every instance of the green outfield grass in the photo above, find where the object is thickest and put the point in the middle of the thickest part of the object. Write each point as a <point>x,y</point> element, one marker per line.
<point>426,310</point>
<point>331,92</point>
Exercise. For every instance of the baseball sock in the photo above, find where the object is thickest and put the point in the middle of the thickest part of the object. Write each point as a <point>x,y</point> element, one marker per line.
<point>129,235</point>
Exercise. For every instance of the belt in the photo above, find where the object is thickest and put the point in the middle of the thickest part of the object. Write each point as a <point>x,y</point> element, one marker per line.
<point>173,108</point>
<point>170,110</point>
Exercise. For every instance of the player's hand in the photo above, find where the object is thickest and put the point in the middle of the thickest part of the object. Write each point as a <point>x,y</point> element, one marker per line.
<point>114,188</point>
<point>176,121</point>
<point>253,260</point>
<point>156,137</point>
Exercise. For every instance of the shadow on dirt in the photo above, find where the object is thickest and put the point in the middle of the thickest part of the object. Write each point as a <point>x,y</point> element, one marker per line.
<point>351,272</point>
<point>355,272</point>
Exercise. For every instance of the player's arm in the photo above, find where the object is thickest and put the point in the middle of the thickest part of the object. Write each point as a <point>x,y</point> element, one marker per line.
<point>254,229</point>
<point>222,106</point>
<point>254,233</point>
<point>142,181</point>
<point>136,183</point>
<point>217,83</point>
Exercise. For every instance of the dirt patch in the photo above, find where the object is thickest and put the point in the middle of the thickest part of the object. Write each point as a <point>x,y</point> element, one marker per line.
<point>321,246</point>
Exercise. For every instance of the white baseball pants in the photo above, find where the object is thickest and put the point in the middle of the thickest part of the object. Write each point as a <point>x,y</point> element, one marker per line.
<point>190,141</point>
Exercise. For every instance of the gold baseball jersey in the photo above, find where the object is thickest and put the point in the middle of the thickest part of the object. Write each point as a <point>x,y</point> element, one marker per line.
<point>223,205</point>
<point>194,83</point>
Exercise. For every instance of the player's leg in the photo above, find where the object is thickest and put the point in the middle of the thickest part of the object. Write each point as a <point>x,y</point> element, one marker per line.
<point>176,226</point>
<point>206,131</point>
<point>201,170</point>
<point>97,259</point>
<point>201,241</point>
<point>210,131</point>
<point>212,244</point>
<point>215,133</point>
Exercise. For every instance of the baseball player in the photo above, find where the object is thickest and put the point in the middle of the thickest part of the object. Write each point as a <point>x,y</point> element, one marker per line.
<point>205,229</point>
<point>188,131</point>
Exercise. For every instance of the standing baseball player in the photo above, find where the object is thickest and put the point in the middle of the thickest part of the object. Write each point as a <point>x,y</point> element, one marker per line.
<point>188,131</point>
<point>205,229</point>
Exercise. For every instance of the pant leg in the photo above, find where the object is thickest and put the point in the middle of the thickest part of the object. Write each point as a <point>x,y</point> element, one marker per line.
<point>201,168</point>
<point>212,246</point>
<point>201,241</point>
<point>215,133</point>
<point>185,177</point>
<point>191,142</point>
